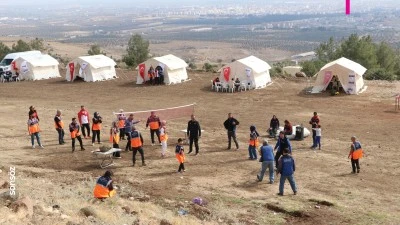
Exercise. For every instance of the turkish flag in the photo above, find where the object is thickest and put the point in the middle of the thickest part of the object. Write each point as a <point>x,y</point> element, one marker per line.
<point>328,77</point>
<point>71,70</point>
<point>14,66</point>
<point>142,68</point>
<point>227,72</point>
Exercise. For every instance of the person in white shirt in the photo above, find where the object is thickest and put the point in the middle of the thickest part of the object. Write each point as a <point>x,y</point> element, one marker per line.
<point>83,117</point>
<point>317,137</point>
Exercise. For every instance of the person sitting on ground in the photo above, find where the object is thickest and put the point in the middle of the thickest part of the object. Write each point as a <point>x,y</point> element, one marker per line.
<point>288,128</point>
<point>104,186</point>
<point>237,84</point>
<point>273,126</point>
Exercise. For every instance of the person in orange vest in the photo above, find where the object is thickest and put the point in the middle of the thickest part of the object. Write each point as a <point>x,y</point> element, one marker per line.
<point>253,143</point>
<point>314,121</point>
<point>59,125</point>
<point>84,121</point>
<point>151,75</point>
<point>104,186</point>
<point>137,145</point>
<point>114,138</point>
<point>180,155</point>
<point>33,129</point>
<point>355,154</point>
<point>154,122</point>
<point>121,124</point>
<point>75,134</point>
<point>96,127</point>
<point>163,137</point>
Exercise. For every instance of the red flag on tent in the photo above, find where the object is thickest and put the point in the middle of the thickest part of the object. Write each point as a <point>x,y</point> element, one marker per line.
<point>227,72</point>
<point>13,65</point>
<point>71,70</point>
<point>142,68</point>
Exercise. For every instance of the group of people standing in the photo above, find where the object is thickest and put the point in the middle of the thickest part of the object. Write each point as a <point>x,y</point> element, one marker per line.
<point>156,75</point>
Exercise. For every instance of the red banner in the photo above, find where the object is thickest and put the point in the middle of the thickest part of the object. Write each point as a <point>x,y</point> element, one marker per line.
<point>71,70</point>
<point>142,68</point>
<point>14,66</point>
<point>327,77</point>
<point>227,72</point>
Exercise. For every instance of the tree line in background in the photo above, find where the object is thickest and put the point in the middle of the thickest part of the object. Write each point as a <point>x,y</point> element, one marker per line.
<point>381,60</point>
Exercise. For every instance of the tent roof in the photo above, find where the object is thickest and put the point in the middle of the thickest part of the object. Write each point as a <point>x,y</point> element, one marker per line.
<point>255,64</point>
<point>39,60</point>
<point>98,61</point>
<point>172,61</point>
<point>347,63</point>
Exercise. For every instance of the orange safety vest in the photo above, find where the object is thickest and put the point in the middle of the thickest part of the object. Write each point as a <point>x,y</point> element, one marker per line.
<point>75,133</point>
<point>96,126</point>
<point>114,138</point>
<point>121,123</point>
<point>34,128</point>
<point>135,141</point>
<point>357,154</point>
<point>101,190</point>
<point>61,123</point>
<point>155,125</point>
<point>254,142</point>
<point>163,136</point>
<point>180,157</point>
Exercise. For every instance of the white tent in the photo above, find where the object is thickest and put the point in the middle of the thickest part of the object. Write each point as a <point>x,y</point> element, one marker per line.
<point>250,70</point>
<point>91,68</point>
<point>35,67</point>
<point>174,69</point>
<point>348,72</point>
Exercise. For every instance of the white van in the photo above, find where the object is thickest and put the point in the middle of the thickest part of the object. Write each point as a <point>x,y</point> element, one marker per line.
<point>6,62</point>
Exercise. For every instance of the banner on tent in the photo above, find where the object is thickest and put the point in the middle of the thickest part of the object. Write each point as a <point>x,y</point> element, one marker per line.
<point>248,72</point>
<point>227,72</point>
<point>71,70</point>
<point>352,83</point>
<point>14,66</point>
<point>327,77</point>
<point>83,67</point>
<point>142,68</point>
<point>24,67</point>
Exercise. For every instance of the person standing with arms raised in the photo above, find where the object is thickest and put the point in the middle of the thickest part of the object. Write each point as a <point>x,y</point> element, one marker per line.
<point>154,122</point>
<point>194,133</point>
<point>230,125</point>
<point>84,121</point>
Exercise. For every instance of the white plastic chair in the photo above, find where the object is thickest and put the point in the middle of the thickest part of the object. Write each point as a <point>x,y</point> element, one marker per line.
<point>212,85</point>
<point>225,87</point>
<point>243,86</point>
<point>217,86</point>
<point>249,85</point>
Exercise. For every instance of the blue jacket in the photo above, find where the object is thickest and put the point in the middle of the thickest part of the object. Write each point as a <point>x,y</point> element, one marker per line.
<point>267,153</point>
<point>128,125</point>
<point>286,165</point>
<point>282,144</point>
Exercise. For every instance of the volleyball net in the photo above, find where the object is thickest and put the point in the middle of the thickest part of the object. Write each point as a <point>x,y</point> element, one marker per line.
<point>163,114</point>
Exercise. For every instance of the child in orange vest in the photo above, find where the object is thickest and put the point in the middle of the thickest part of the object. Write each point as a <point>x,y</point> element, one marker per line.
<point>355,154</point>
<point>163,138</point>
<point>74,129</point>
<point>253,143</point>
<point>180,155</point>
<point>114,138</point>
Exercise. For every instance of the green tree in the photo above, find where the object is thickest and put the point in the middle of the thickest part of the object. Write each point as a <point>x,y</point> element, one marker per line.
<point>137,51</point>
<point>379,74</point>
<point>4,50</point>
<point>192,66</point>
<point>207,67</point>
<point>309,68</point>
<point>95,50</point>
<point>386,57</point>
<point>327,51</point>
<point>37,44</point>
<point>361,50</point>
<point>21,46</point>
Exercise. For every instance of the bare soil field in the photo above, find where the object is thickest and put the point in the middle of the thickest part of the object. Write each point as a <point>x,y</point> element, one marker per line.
<point>327,192</point>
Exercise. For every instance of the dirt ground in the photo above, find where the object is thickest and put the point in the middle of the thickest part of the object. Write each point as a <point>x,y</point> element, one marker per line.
<point>327,192</point>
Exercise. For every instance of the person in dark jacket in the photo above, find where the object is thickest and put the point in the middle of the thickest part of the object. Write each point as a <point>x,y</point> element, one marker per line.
<point>253,143</point>
<point>128,129</point>
<point>288,128</point>
<point>273,126</point>
<point>230,125</point>
<point>314,121</point>
<point>96,127</point>
<point>59,125</point>
<point>155,123</point>
<point>286,168</point>
<point>137,145</point>
<point>282,143</point>
<point>194,133</point>
<point>75,134</point>
<point>267,160</point>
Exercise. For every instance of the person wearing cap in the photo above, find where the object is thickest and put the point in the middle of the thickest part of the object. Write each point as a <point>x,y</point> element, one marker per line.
<point>267,161</point>
<point>282,143</point>
<point>128,129</point>
<point>104,186</point>
<point>286,168</point>
<point>137,145</point>
<point>253,143</point>
<point>154,122</point>
<point>96,127</point>
<point>59,125</point>
<point>84,121</point>
<point>75,134</point>
<point>121,124</point>
<point>355,154</point>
